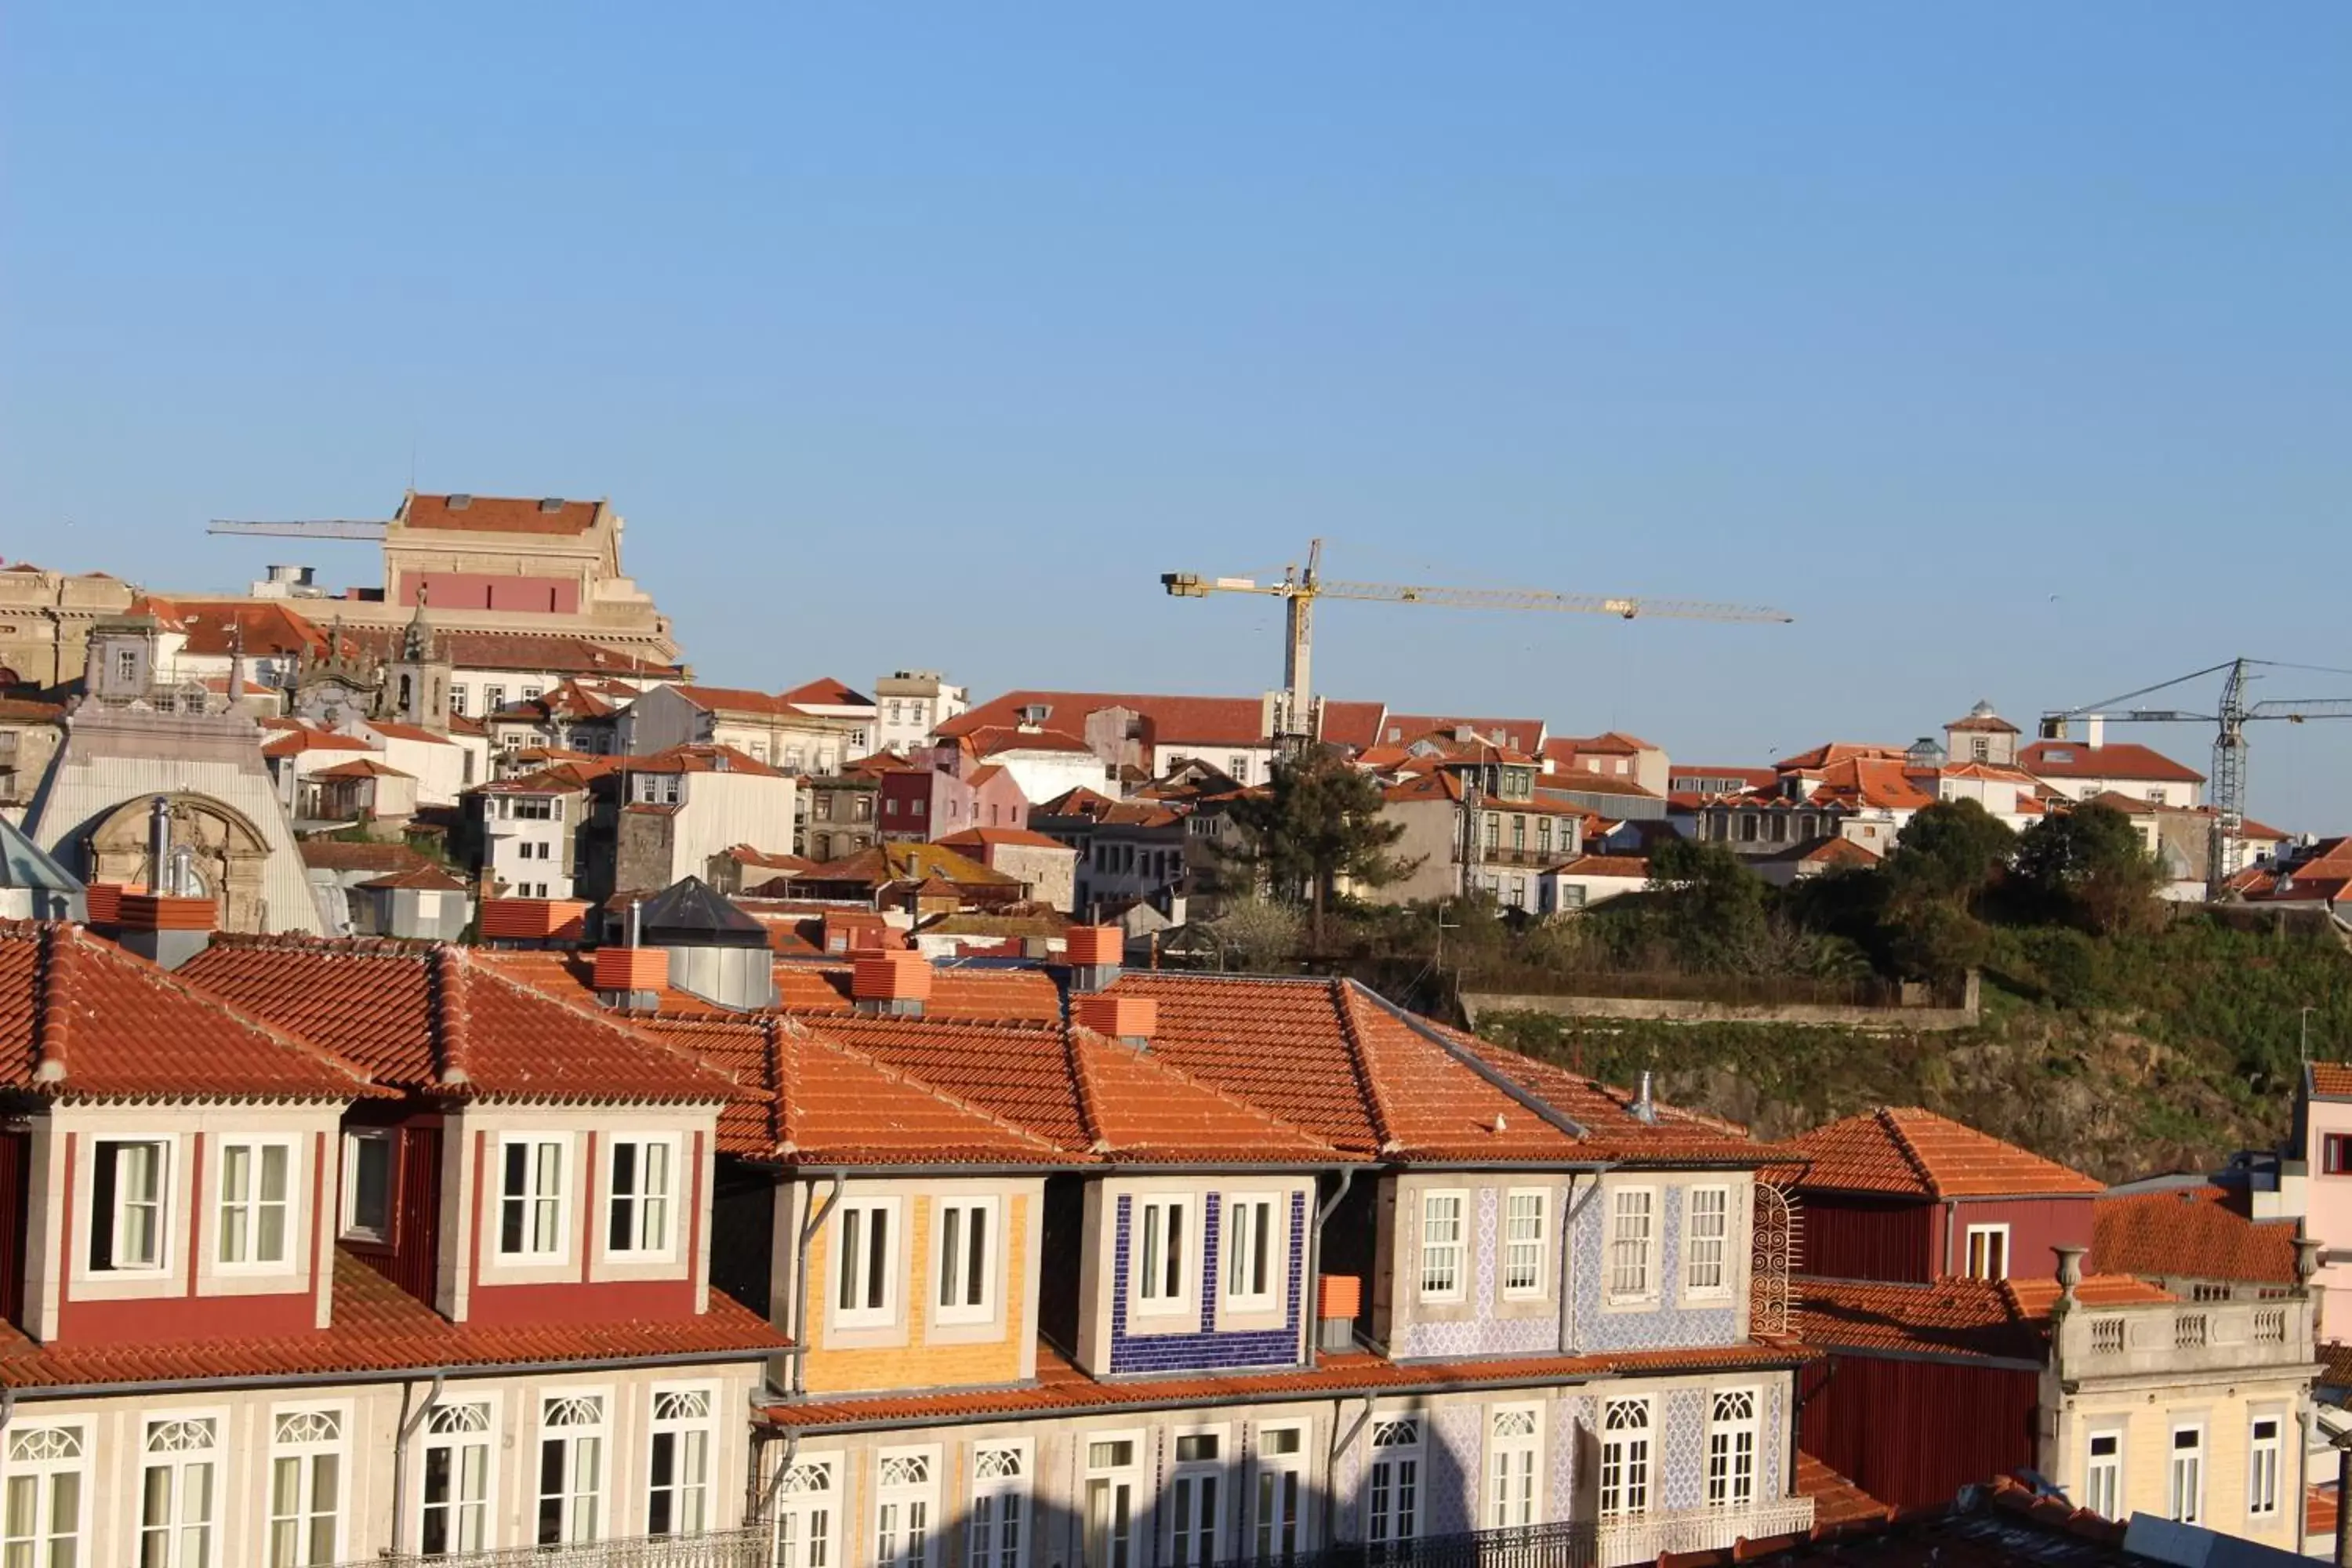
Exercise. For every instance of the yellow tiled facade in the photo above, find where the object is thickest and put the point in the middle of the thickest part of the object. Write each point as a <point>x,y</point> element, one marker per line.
<point>918,1360</point>
<point>2146,1420</point>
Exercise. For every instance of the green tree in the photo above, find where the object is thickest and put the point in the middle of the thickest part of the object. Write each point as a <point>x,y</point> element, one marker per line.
<point>1950,852</point>
<point>1711,906</point>
<point>1318,822</point>
<point>2086,867</point>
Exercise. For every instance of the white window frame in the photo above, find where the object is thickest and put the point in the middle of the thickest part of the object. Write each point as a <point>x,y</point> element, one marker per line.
<point>1982,1242</point>
<point>572,1528</point>
<point>175,1428</point>
<point>952,1271</point>
<point>1096,1548</point>
<point>2103,1473</point>
<point>1629,1458</point>
<point>167,1156</point>
<point>906,1512</point>
<point>44,1453</point>
<point>852,1243</point>
<point>1396,1502</point>
<point>1732,1442</point>
<point>682,1412</point>
<point>532,1196</point>
<point>1250,1242</point>
<point>1696,1262</point>
<point>1515,1467</point>
<point>1444,1260</point>
<point>997,1517</point>
<point>1148,1290</point>
<point>304,1452</point>
<point>808,1513</point>
<point>1278,1490</point>
<point>643,1202</point>
<point>1198,1507</point>
<point>2184,1474</point>
<point>2264,1457</point>
<point>1632,1265</point>
<point>451,1428</point>
<point>251,1207</point>
<point>1516,1246</point>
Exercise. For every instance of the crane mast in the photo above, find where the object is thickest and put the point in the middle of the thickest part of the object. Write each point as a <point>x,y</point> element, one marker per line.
<point>2225,845</point>
<point>1297,717</point>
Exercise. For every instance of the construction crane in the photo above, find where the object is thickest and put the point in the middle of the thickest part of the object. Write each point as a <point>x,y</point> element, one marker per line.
<point>322,528</point>
<point>1297,721</point>
<point>2225,843</point>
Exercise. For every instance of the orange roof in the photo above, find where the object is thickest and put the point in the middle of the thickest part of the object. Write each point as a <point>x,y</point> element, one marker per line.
<point>2009,1318</point>
<point>2115,760</point>
<point>397,732</point>
<point>1917,1153</point>
<point>694,759</point>
<point>1172,721</point>
<point>79,1017</point>
<point>2189,1232</point>
<point>500,514</point>
<point>379,1328</point>
<point>361,768</point>
<point>294,742</point>
<point>256,627</point>
<point>438,1019</point>
<point>2331,1081</point>
<point>819,1101</point>
<point>1520,734</point>
<point>987,837</point>
<point>982,995</point>
<point>1836,1499</point>
<point>1834,751</point>
<point>1603,866</point>
<point>827,692</point>
<point>1061,1388</point>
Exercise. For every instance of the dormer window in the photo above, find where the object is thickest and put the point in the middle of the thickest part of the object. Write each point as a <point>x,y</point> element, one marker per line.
<point>532,1197</point>
<point>638,1221</point>
<point>256,1177</point>
<point>126,1205</point>
<point>367,1186</point>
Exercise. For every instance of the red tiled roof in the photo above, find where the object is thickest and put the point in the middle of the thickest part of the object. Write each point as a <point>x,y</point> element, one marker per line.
<point>1061,1387</point>
<point>1520,734</point>
<point>2320,1508</point>
<point>1604,866</point>
<point>1951,1317</point>
<point>829,1103</point>
<point>500,514</point>
<point>379,1328</point>
<point>1834,751</point>
<point>996,739</point>
<point>2332,1080</point>
<point>981,994</point>
<point>1173,721</point>
<point>2113,760</point>
<point>698,759</point>
<point>741,700</point>
<point>442,1020</point>
<point>523,653</point>
<point>258,627</point>
<point>1836,1499</point>
<point>25,711</point>
<point>81,1017</point>
<point>986,838</point>
<point>426,879</point>
<point>294,742</point>
<point>2189,1232</point>
<point>391,730</point>
<point>361,768</point>
<point>827,692</point>
<point>342,855</point>
<point>1917,1153</point>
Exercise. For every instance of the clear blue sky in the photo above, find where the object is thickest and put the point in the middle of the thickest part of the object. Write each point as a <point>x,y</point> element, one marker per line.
<point>2008,345</point>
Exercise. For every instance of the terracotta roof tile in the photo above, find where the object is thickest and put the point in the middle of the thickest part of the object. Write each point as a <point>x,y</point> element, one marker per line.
<point>2189,1232</point>
<point>80,1017</point>
<point>2115,760</point>
<point>379,1328</point>
<point>1918,1154</point>
<point>827,692</point>
<point>1836,1499</point>
<point>442,1020</point>
<point>499,514</point>
<point>1172,721</point>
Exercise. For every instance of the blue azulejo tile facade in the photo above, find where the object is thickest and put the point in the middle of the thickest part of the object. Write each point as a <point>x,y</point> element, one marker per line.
<point>1205,1350</point>
<point>1484,1331</point>
<point>1665,1325</point>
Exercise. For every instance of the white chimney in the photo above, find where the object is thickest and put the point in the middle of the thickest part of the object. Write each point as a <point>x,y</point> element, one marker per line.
<point>2094,730</point>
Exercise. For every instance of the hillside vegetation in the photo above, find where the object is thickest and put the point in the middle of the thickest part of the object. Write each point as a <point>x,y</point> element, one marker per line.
<point>2120,1033</point>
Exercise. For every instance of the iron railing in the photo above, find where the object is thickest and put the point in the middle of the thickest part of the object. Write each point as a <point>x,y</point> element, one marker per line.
<point>746,1547</point>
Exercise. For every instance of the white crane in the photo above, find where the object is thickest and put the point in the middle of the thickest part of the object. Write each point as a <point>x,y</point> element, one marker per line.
<point>1297,720</point>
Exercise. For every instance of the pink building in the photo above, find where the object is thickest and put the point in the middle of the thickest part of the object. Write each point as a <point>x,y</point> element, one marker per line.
<point>2323,1125</point>
<point>947,789</point>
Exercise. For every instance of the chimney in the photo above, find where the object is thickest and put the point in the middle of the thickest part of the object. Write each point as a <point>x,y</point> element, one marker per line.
<point>1130,1020</point>
<point>631,976</point>
<point>159,846</point>
<point>103,901</point>
<point>895,983</point>
<point>1337,1298</point>
<point>2094,730</point>
<point>1644,1108</point>
<point>163,928</point>
<point>1093,953</point>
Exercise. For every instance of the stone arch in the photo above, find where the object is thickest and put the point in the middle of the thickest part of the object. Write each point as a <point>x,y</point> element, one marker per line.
<point>229,852</point>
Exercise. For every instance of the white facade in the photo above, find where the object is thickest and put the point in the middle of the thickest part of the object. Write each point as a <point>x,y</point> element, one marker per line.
<point>1046,772</point>
<point>912,703</point>
<point>439,763</point>
<point>717,811</point>
<point>526,841</point>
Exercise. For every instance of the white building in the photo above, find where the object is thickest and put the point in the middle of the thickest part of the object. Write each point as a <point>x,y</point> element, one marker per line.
<point>911,704</point>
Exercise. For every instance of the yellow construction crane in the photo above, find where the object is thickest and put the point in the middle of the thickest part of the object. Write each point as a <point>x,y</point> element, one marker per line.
<point>1297,720</point>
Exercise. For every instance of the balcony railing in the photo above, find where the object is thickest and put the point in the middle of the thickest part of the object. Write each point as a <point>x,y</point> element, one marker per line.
<point>2166,1336</point>
<point>744,1548</point>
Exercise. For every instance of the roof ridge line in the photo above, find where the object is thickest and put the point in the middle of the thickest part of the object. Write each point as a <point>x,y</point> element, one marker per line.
<point>1493,1076</point>
<point>1909,1151</point>
<point>51,1026</point>
<point>783,1074</point>
<point>1376,1106</point>
<point>451,1024</point>
<point>1082,1081</point>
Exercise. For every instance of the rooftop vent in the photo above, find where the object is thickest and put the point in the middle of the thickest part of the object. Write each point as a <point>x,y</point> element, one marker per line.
<point>1036,713</point>
<point>1095,953</point>
<point>550,504</point>
<point>896,982</point>
<point>459,502</point>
